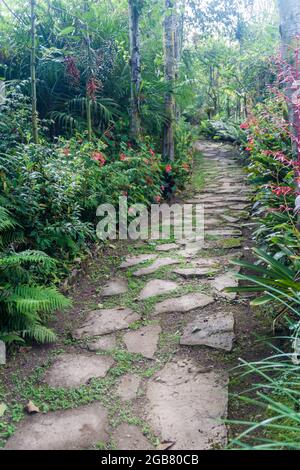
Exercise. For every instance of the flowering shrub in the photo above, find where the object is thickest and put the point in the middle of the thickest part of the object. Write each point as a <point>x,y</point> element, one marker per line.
<point>54,191</point>
<point>272,169</point>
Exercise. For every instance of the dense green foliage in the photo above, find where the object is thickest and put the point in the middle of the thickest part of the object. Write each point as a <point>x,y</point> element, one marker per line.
<point>76,152</point>
<point>275,276</point>
<point>85,155</point>
<point>24,304</point>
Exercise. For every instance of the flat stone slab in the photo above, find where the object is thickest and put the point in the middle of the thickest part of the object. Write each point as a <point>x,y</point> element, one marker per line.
<point>156,266</point>
<point>103,322</point>
<point>74,370</point>
<point>191,249</point>
<point>186,406</point>
<point>132,261</point>
<point>193,272</point>
<point>215,331</point>
<point>239,207</point>
<point>208,199</point>
<point>115,287</point>
<point>167,247</point>
<point>76,429</point>
<point>183,304</point>
<point>157,287</point>
<point>224,233</point>
<point>128,437</point>
<point>232,220</point>
<point>210,222</point>
<point>226,280</point>
<point>206,262</point>
<point>128,387</point>
<point>106,343</point>
<point>143,341</point>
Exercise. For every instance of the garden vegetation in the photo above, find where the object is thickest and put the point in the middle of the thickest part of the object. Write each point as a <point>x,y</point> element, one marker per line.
<point>105,99</point>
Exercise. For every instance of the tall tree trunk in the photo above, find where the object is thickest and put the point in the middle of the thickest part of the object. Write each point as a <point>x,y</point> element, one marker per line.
<point>179,36</point>
<point>290,32</point>
<point>170,71</point>
<point>135,64</point>
<point>35,131</point>
<point>89,104</point>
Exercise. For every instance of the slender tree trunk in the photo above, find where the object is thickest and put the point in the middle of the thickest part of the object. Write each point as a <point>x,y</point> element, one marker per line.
<point>170,70</point>
<point>179,35</point>
<point>290,32</point>
<point>35,131</point>
<point>89,104</point>
<point>135,64</point>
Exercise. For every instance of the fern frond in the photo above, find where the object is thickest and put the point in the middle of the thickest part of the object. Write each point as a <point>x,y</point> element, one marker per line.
<point>34,257</point>
<point>29,300</point>
<point>6,221</point>
<point>40,334</point>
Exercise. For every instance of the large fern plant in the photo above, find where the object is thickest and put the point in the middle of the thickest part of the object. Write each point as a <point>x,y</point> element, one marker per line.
<point>24,304</point>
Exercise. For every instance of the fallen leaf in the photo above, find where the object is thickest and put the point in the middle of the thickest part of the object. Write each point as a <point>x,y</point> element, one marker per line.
<point>165,445</point>
<point>30,408</point>
<point>113,247</point>
<point>3,408</point>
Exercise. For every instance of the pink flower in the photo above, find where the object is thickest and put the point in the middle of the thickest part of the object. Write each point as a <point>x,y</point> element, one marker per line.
<point>123,157</point>
<point>168,169</point>
<point>99,157</point>
<point>244,126</point>
<point>158,199</point>
<point>152,153</point>
<point>282,190</point>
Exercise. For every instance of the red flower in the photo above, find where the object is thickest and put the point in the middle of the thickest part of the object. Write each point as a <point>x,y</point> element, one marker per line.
<point>249,149</point>
<point>158,199</point>
<point>285,208</point>
<point>99,157</point>
<point>93,86</point>
<point>72,70</point>
<point>245,125</point>
<point>152,153</point>
<point>282,190</point>
<point>66,151</point>
<point>168,169</point>
<point>123,157</point>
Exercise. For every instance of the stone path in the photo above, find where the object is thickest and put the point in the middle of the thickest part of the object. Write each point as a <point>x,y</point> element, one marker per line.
<point>180,310</point>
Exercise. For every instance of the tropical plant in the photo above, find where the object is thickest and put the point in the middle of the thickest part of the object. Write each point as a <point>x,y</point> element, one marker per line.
<point>275,394</point>
<point>24,303</point>
<point>277,282</point>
